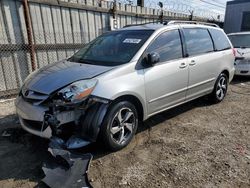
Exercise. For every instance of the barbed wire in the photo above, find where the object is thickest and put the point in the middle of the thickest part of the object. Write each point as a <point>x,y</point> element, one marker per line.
<point>205,9</point>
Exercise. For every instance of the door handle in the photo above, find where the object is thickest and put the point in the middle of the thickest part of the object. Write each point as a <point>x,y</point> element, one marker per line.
<point>183,65</point>
<point>192,62</point>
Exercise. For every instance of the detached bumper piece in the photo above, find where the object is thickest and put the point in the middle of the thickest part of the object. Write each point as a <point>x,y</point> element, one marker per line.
<point>67,169</point>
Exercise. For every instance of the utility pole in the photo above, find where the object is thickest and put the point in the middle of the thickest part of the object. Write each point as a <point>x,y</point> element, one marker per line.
<point>29,33</point>
<point>140,3</point>
<point>161,13</point>
<point>191,15</point>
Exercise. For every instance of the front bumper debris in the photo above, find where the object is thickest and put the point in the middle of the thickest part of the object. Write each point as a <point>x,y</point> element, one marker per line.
<point>73,142</point>
<point>68,169</point>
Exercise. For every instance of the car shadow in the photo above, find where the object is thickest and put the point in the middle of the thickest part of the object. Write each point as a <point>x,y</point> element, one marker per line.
<point>240,79</point>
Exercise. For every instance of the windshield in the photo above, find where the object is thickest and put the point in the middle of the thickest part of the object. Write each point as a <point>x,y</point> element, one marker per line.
<point>113,48</point>
<point>240,41</point>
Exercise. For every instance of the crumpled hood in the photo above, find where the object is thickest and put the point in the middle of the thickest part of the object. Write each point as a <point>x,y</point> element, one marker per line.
<point>57,75</point>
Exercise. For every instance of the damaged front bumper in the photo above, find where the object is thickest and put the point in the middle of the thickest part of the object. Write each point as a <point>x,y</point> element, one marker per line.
<point>32,117</point>
<point>82,121</point>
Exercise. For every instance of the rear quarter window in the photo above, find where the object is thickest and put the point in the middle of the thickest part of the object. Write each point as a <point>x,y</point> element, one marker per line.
<point>198,41</point>
<point>220,40</point>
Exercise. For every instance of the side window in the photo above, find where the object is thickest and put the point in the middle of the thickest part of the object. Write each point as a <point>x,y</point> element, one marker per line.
<point>220,39</point>
<point>167,45</point>
<point>198,41</point>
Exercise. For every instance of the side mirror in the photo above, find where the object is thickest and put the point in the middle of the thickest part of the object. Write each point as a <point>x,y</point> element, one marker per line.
<point>153,58</point>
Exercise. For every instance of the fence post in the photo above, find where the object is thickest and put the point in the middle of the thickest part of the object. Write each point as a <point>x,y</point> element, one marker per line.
<point>29,33</point>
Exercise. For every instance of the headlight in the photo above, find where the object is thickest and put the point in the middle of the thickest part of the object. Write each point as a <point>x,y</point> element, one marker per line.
<point>77,91</point>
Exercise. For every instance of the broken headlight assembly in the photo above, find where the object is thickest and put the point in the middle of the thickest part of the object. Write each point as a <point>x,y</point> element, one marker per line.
<point>77,91</point>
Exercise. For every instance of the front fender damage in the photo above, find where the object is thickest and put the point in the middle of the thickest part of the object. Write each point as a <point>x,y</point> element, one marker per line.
<point>76,125</point>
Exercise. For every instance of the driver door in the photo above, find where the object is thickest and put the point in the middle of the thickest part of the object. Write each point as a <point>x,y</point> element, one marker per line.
<point>166,82</point>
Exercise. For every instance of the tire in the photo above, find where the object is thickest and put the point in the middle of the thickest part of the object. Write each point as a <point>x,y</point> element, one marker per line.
<point>220,89</point>
<point>119,125</point>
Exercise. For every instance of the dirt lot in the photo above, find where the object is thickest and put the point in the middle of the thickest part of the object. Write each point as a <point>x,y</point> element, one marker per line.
<point>194,145</point>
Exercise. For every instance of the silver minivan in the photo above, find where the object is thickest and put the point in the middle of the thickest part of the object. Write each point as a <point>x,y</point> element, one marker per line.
<point>124,77</point>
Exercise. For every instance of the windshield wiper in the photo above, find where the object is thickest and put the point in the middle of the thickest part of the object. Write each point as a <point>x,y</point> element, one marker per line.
<point>85,61</point>
<point>71,59</point>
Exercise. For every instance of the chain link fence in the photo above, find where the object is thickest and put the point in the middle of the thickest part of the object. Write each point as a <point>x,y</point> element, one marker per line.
<point>16,61</point>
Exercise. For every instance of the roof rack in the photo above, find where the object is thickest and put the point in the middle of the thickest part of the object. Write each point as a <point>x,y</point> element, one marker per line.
<point>130,25</point>
<point>171,22</point>
<point>190,22</point>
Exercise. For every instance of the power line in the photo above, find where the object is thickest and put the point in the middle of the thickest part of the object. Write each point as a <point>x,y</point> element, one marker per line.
<point>218,3</point>
<point>197,7</point>
<point>212,4</point>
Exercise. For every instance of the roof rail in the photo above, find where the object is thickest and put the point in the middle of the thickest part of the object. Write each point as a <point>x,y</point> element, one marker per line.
<point>190,22</point>
<point>130,25</point>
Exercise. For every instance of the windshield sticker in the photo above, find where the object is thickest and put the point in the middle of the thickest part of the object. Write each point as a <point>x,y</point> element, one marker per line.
<point>132,41</point>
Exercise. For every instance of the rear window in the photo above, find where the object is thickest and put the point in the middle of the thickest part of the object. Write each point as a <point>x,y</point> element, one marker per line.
<point>198,41</point>
<point>240,41</point>
<point>220,40</point>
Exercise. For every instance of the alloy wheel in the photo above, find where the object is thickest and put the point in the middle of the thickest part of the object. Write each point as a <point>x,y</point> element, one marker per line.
<point>221,88</point>
<point>122,125</point>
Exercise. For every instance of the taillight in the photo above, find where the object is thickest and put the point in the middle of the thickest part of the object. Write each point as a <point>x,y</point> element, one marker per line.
<point>234,52</point>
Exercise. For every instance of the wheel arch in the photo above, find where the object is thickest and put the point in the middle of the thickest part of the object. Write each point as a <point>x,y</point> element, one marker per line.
<point>94,116</point>
<point>226,72</point>
<point>135,101</point>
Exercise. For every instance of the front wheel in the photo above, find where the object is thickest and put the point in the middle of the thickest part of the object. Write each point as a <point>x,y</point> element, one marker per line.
<point>119,125</point>
<point>220,88</point>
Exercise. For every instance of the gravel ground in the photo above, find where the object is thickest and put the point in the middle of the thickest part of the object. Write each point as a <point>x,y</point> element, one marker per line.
<point>193,145</point>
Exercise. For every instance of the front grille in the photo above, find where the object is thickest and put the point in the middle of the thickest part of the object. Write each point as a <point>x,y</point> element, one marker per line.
<point>33,97</point>
<point>244,62</point>
<point>244,72</point>
<point>33,101</point>
<point>35,125</point>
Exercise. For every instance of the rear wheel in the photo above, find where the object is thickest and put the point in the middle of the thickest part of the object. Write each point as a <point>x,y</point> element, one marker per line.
<point>119,125</point>
<point>220,88</point>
